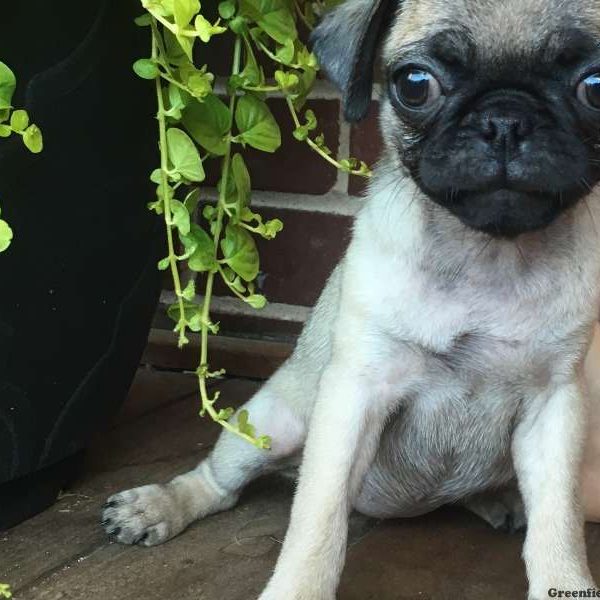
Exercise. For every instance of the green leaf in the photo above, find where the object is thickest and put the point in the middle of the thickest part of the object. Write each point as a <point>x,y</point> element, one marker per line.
<point>186,43</point>
<point>225,414</point>
<point>146,68</point>
<point>311,119</point>
<point>143,20</point>
<point>189,291</point>
<point>162,7</point>
<point>252,74</point>
<point>227,9</point>
<point>286,81</point>
<point>8,84</point>
<point>274,17</point>
<point>184,156</point>
<point>19,120</point>
<point>307,80</point>
<point>184,10</point>
<point>257,301</point>
<point>192,315</point>
<point>206,30</point>
<point>157,207</point>
<point>241,178</point>
<point>256,124</point>
<point>203,249</point>
<point>238,25</point>
<point>208,122</point>
<point>181,216</point>
<point>209,212</point>
<point>237,284</point>
<point>6,235</point>
<point>32,137</point>
<point>271,229</point>
<point>163,264</point>
<point>178,98</point>
<point>243,425</point>
<point>200,84</point>
<point>191,200</point>
<point>286,52</point>
<point>301,133</point>
<point>156,176</point>
<point>240,253</point>
<point>5,131</point>
<point>264,442</point>
<point>320,141</point>
<point>189,69</point>
<point>175,53</point>
<point>4,114</point>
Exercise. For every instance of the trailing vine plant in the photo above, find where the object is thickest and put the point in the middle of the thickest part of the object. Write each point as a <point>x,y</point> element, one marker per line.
<point>201,119</point>
<point>14,122</point>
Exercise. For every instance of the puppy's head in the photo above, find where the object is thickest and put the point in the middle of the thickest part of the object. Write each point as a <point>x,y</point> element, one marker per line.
<point>492,106</point>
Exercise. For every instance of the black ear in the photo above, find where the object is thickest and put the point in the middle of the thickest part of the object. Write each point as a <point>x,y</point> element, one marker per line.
<point>345,42</point>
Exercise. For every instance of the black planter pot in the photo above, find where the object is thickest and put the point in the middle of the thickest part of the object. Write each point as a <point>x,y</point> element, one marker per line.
<point>79,283</point>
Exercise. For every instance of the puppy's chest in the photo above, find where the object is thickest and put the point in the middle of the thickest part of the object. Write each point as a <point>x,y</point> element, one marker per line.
<point>472,338</point>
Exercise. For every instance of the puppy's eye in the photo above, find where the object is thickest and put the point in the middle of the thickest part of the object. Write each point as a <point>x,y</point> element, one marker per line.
<point>588,91</point>
<point>416,88</point>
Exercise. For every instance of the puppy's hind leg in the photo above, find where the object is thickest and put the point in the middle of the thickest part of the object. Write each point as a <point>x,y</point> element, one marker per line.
<point>152,514</point>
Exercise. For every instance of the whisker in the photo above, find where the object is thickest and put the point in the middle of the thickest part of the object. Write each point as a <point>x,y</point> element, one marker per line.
<point>484,247</point>
<point>589,210</point>
<point>521,254</point>
<point>586,184</point>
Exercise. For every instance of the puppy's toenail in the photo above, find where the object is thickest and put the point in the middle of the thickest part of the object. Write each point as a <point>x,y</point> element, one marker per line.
<point>116,531</point>
<point>110,504</point>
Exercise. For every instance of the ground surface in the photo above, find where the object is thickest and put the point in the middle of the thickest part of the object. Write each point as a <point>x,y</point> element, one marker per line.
<point>63,554</point>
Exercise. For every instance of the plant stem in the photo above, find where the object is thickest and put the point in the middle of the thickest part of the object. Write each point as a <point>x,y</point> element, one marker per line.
<point>162,132</point>
<point>207,403</point>
<point>315,146</point>
<point>171,26</point>
<point>230,285</point>
<point>176,83</point>
<point>274,57</point>
<point>301,16</point>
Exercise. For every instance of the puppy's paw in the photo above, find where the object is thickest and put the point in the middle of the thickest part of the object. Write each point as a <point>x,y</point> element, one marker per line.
<point>147,515</point>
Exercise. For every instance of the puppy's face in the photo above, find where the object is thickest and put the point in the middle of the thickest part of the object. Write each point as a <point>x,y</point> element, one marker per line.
<point>494,106</point>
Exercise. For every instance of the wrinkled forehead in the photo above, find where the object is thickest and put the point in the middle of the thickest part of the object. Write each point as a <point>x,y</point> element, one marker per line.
<point>498,27</point>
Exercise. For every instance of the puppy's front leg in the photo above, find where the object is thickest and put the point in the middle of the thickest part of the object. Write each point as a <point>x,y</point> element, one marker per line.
<point>342,439</point>
<point>547,449</point>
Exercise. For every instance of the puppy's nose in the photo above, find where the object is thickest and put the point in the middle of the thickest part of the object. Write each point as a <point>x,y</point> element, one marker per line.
<point>505,129</point>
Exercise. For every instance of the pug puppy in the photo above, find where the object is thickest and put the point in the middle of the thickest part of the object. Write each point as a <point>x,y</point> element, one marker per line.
<point>443,362</point>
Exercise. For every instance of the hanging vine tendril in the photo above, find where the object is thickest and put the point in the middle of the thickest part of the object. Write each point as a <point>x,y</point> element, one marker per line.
<point>196,125</point>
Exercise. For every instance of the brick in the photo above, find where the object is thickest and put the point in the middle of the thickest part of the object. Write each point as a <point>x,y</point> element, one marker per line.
<point>254,325</point>
<point>238,356</point>
<point>294,168</point>
<point>365,144</point>
<point>296,265</point>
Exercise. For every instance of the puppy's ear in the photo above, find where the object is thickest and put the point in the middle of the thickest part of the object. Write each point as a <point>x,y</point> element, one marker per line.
<point>345,42</point>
